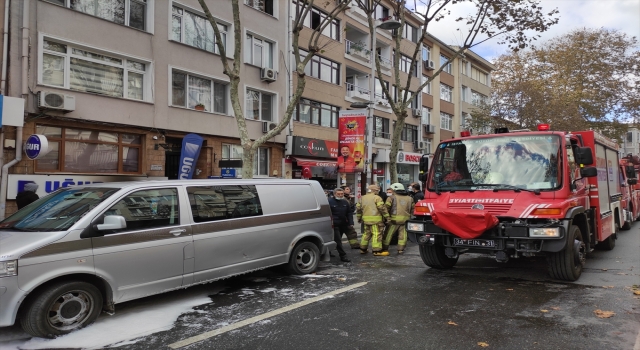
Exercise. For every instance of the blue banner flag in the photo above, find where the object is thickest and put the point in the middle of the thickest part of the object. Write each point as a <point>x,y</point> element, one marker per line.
<point>191,145</point>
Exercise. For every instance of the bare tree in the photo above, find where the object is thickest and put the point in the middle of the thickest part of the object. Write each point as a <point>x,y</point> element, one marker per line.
<point>508,20</point>
<point>314,45</point>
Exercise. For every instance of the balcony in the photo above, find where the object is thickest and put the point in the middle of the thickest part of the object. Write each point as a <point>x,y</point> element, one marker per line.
<point>382,138</point>
<point>357,50</point>
<point>385,63</point>
<point>357,92</point>
<point>381,100</point>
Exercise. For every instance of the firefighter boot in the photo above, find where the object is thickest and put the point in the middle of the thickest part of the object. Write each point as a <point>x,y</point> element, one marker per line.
<point>382,253</point>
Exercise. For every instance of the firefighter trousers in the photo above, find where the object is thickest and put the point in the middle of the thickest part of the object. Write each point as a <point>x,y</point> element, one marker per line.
<point>388,235</point>
<point>373,233</point>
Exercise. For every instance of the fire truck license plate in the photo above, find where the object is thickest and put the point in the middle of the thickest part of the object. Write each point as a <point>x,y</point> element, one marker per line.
<point>489,243</point>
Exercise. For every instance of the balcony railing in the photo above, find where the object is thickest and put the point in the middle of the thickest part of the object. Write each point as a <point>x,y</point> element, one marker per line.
<point>385,62</point>
<point>357,49</point>
<point>357,91</point>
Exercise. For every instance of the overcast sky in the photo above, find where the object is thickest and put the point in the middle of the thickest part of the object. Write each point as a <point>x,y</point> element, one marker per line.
<point>622,15</point>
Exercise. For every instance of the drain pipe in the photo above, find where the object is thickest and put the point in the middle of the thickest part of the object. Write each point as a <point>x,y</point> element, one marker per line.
<point>25,94</point>
<point>5,48</point>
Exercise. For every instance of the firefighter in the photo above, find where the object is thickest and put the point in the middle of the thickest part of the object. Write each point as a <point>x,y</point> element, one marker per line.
<point>400,207</point>
<point>372,211</point>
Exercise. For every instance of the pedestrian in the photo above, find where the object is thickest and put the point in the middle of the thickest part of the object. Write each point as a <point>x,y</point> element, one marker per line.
<point>382,194</point>
<point>389,192</point>
<point>342,220</point>
<point>417,193</point>
<point>400,207</point>
<point>372,211</point>
<point>28,195</point>
<point>352,235</point>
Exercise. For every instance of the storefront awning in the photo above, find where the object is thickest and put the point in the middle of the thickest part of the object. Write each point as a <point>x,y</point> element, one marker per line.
<point>315,162</point>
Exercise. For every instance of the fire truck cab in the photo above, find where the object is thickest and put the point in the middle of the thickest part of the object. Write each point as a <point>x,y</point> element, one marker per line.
<point>514,194</point>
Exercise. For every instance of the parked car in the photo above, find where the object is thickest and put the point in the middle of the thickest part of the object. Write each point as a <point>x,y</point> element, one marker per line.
<point>83,249</point>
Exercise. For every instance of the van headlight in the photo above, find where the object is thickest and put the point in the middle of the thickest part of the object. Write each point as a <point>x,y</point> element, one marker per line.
<point>8,268</point>
<point>412,226</point>
<point>544,232</point>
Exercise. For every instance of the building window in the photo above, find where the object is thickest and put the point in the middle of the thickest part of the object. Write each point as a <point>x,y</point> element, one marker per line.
<point>629,136</point>
<point>258,52</point>
<point>426,53</point>
<point>381,128</point>
<point>464,91</point>
<point>426,115</point>
<point>463,66</point>
<point>414,101</point>
<point>194,30</point>
<point>90,151</point>
<point>315,18</point>
<point>265,6</point>
<point>92,72</point>
<point>382,13</point>
<point>322,68</point>
<point>260,159</point>
<point>409,133</point>
<point>259,105</point>
<point>446,92</point>
<point>190,91</point>
<point>427,148</point>
<point>379,92</point>
<point>478,99</point>
<point>410,33</point>
<point>479,75</point>
<point>313,112</point>
<point>464,120</point>
<point>131,13</point>
<point>446,121</point>
<point>427,88</point>
<point>405,64</point>
<point>443,61</point>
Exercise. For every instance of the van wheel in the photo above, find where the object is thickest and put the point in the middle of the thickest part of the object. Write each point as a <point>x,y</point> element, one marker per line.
<point>62,308</point>
<point>304,259</point>
<point>567,264</point>
<point>434,256</point>
<point>610,242</point>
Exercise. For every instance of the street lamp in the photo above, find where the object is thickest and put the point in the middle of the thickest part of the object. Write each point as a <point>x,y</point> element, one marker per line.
<point>389,24</point>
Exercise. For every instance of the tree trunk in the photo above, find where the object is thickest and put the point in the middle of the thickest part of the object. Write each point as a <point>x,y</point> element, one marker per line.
<point>395,145</point>
<point>247,161</point>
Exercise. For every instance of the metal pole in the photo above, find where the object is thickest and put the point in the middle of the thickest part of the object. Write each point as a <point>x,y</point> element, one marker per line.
<point>372,101</point>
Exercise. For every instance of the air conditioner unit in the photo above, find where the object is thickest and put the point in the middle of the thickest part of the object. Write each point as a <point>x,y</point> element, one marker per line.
<point>268,74</point>
<point>268,126</point>
<point>429,129</point>
<point>417,112</point>
<point>54,100</point>
<point>421,145</point>
<point>429,65</point>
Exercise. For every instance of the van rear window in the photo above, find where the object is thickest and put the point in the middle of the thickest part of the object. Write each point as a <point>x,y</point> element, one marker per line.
<point>212,203</point>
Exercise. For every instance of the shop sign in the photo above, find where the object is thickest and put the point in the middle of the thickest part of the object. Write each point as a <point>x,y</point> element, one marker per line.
<point>377,171</point>
<point>36,146</point>
<point>351,136</point>
<point>49,183</point>
<point>228,173</point>
<point>156,167</point>
<point>409,158</point>
<point>304,146</point>
<point>191,145</point>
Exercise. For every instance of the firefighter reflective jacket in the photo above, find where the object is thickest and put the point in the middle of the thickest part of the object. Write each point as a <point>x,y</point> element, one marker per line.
<point>371,209</point>
<point>400,208</point>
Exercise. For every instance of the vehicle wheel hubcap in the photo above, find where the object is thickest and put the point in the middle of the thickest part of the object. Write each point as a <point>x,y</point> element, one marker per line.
<point>305,259</point>
<point>579,252</point>
<point>70,310</point>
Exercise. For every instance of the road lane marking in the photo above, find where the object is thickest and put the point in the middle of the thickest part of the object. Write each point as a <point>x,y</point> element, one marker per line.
<point>255,319</point>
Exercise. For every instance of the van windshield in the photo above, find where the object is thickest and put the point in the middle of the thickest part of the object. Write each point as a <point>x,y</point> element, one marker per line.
<point>57,211</point>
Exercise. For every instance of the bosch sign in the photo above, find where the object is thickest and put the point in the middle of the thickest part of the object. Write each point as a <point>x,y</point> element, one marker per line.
<point>36,146</point>
<point>413,158</point>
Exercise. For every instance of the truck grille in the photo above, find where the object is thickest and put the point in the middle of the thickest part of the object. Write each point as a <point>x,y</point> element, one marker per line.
<point>498,209</point>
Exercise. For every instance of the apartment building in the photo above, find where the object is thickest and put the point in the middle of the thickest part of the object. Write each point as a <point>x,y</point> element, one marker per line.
<point>474,79</point>
<point>343,77</point>
<point>631,143</point>
<point>116,85</point>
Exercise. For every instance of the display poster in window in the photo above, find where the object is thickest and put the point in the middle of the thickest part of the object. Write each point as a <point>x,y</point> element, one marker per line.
<point>351,137</point>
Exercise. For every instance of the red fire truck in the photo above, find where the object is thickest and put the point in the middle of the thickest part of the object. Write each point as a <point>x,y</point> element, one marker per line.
<point>524,193</point>
<point>630,192</point>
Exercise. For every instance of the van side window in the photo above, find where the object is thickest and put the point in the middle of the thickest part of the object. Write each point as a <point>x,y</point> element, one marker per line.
<point>211,203</point>
<point>148,209</point>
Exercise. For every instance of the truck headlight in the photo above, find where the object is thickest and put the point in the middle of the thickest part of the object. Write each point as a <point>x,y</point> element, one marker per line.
<point>415,227</point>
<point>544,232</point>
<point>8,268</point>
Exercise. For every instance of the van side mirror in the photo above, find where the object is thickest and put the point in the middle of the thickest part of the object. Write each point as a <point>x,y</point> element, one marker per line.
<point>112,222</point>
<point>589,172</point>
<point>583,155</point>
<point>632,181</point>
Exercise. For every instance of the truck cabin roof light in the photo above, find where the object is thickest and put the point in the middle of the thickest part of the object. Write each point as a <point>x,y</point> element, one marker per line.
<point>544,127</point>
<point>465,133</point>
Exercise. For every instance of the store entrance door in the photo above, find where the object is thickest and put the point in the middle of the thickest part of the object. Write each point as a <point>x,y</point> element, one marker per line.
<point>172,158</point>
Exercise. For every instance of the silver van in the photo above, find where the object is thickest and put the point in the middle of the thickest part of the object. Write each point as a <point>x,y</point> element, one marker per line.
<point>83,249</point>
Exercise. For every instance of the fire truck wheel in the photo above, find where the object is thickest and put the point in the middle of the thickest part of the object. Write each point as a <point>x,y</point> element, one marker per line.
<point>567,264</point>
<point>627,224</point>
<point>610,242</point>
<point>434,257</point>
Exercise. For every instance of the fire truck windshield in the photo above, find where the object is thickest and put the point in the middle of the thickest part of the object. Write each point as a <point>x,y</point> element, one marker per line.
<point>506,161</point>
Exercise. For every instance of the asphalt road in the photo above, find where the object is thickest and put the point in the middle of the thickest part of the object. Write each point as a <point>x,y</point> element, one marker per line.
<point>402,304</point>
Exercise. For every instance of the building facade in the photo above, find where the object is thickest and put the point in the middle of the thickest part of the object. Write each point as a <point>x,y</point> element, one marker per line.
<point>116,85</point>
<point>631,143</point>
